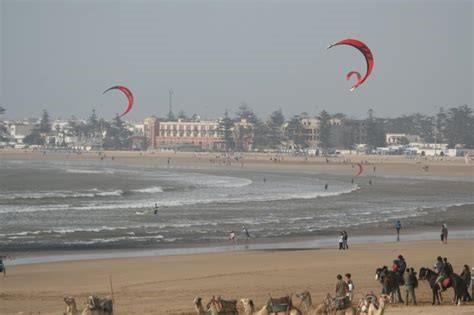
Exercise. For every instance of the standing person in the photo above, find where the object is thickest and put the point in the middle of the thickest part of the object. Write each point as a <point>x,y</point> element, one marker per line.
<point>466,277</point>
<point>341,287</point>
<point>246,232</point>
<point>350,286</point>
<point>232,237</point>
<point>444,231</point>
<point>442,234</point>
<point>341,240</point>
<point>345,236</point>
<point>411,283</point>
<point>398,226</point>
<point>326,187</point>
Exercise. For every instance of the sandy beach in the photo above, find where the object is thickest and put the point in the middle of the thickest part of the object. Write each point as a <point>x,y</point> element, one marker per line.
<point>167,285</point>
<point>385,165</point>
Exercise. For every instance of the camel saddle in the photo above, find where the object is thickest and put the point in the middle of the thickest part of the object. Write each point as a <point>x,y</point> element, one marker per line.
<point>105,305</point>
<point>226,306</point>
<point>342,303</point>
<point>280,305</point>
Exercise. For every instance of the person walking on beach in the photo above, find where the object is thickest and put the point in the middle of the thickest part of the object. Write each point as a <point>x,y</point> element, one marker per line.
<point>411,283</point>
<point>444,233</point>
<point>232,237</point>
<point>350,286</point>
<point>398,226</point>
<point>341,241</point>
<point>345,236</point>
<point>246,232</point>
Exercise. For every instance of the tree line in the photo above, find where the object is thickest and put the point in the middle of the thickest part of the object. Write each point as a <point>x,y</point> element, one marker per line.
<point>454,125</point>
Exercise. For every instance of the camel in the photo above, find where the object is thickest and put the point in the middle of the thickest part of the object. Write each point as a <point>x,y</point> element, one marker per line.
<point>211,307</point>
<point>249,309</point>
<point>383,299</point>
<point>71,307</point>
<point>90,309</point>
<point>327,307</point>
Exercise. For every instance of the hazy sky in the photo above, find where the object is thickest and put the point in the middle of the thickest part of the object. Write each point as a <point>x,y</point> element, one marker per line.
<point>61,55</point>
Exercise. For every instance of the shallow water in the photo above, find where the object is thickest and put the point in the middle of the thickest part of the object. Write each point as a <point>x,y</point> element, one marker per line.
<point>46,205</point>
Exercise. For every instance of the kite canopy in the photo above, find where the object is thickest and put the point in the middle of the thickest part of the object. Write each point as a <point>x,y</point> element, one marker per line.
<point>127,93</point>
<point>350,74</point>
<point>369,58</point>
<point>360,169</point>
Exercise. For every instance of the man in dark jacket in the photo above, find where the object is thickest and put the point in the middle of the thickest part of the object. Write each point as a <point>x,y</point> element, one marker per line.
<point>466,277</point>
<point>448,268</point>
<point>411,283</point>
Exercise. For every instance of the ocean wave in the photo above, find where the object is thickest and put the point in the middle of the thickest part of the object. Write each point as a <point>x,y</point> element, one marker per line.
<point>222,199</point>
<point>64,231</point>
<point>88,171</point>
<point>96,241</point>
<point>62,194</point>
<point>148,190</point>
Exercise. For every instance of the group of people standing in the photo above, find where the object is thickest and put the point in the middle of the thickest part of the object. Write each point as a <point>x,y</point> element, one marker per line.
<point>345,287</point>
<point>343,240</point>
<point>233,235</point>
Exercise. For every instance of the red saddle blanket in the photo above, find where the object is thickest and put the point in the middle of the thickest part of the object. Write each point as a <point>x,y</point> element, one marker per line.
<point>446,282</point>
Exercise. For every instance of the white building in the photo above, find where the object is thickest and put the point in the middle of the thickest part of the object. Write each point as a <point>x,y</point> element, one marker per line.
<point>19,130</point>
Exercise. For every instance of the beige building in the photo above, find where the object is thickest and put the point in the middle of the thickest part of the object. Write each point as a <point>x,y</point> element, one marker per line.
<point>203,134</point>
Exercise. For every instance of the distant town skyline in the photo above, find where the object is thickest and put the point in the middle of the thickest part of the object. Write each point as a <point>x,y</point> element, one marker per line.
<point>60,56</point>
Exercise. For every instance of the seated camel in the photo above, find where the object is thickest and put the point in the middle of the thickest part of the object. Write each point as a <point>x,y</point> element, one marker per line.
<point>71,307</point>
<point>95,306</point>
<point>329,306</point>
<point>280,306</point>
<point>384,299</point>
<point>217,306</point>
<point>99,306</point>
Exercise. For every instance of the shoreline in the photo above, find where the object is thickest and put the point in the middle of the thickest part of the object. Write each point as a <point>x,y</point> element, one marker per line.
<point>292,244</point>
<point>386,165</point>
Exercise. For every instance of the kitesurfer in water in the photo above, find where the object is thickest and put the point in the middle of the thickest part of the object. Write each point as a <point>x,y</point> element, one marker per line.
<point>326,187</point>
<point>156,209</point>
